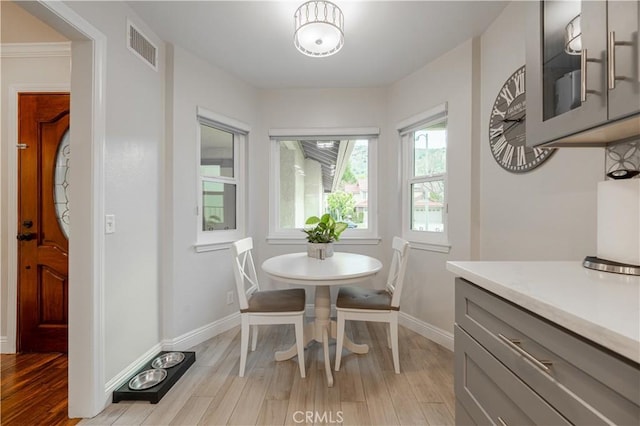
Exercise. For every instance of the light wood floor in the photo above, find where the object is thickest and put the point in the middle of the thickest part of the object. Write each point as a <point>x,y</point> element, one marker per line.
<point>366,389</point>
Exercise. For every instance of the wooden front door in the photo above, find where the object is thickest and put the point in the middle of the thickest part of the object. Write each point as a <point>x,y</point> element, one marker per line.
<point>43,246</point>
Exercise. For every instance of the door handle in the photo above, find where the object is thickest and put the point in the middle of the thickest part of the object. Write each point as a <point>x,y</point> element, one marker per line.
<point>28,236</point>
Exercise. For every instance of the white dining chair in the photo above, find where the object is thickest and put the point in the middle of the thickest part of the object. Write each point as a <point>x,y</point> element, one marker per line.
<point>264,307</point>
<point>363,304</point>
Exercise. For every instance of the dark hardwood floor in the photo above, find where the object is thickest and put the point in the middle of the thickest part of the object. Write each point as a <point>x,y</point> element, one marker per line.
<point>34,390</point>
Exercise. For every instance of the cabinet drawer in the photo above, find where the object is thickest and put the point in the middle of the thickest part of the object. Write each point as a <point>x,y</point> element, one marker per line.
<point>491,394</point>
<point>586,383</point>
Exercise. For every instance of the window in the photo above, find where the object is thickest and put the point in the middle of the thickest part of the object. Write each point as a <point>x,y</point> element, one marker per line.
<point>424,151</point>
<point>220,180</point>
<point>317,174</point>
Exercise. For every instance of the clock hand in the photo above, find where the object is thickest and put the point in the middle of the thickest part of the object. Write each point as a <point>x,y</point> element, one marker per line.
<point>513,120</point>
<point>504,132</point>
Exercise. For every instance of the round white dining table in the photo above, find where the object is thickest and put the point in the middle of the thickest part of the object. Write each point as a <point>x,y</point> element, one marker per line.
<point>339,269</point>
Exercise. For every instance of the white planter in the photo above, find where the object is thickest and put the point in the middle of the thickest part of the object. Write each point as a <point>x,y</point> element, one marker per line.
<point>320,250</point>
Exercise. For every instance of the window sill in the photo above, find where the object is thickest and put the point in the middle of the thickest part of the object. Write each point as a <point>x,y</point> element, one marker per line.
<point>435,247</point>
<point>204,247</point>
<point>343,241</point>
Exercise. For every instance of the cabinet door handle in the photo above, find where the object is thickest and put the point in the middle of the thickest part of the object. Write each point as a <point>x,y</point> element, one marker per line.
<point>584,59</point>
<point>515,345</point>
<point>583,76</point>
<point>611,59</point>
<point>501,422</point>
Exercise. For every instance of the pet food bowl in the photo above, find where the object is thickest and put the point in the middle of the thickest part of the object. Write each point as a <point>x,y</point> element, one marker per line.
<point>168,360</point>
<point>147,379</point>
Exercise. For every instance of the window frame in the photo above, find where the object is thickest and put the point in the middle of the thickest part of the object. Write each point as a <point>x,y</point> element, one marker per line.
<point>222,239</point>
<point>425,240</point>
<point>279,235</point>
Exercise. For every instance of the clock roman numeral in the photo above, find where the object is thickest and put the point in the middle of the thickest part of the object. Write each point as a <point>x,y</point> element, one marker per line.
<point>538,152</point>
<point>508,155</point>
<point>499,145</point>
<point>496,132</point>
<point>496,111</point>
<point>522,159</point>
<point>506,94</point>
<point>518,80</point>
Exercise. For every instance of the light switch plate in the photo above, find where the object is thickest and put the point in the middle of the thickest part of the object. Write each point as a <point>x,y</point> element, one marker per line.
<point>109,224</point>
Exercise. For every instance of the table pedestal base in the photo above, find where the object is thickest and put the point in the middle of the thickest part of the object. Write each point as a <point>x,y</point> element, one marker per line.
<point>321,330</point>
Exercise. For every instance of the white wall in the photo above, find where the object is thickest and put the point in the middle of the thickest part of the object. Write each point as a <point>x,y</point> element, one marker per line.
<point>195,284</point>
<point>428,289</point>
<point>550,212</point>
<point>134,142</point>
<point>19,26</point>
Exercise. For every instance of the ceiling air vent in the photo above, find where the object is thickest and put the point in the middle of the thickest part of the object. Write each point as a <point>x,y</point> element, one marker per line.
<point>141,46</point>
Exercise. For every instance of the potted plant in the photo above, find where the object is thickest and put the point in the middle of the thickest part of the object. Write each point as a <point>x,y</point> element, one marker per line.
<point>321,233</point>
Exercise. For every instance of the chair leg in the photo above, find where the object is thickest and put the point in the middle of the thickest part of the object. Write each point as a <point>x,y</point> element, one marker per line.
<point>389,337</point>
<point>254,337</point>
<point>244,343</point>
<point>299,326</point>
<point>339,339</point>
<point>393,329</point>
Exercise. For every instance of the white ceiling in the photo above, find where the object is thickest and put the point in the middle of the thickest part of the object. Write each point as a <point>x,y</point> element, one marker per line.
<point>253,40</point>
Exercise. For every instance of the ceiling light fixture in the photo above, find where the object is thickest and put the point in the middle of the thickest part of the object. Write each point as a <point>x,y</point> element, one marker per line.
<point>319,28</point>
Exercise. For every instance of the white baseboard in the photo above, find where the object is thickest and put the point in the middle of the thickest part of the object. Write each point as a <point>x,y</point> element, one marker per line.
<point>125,374</point>
<point>431,332</point>
<point>180,343</point>
<point>199,335</point>
<point>5,346</point>
<point>202,334</point>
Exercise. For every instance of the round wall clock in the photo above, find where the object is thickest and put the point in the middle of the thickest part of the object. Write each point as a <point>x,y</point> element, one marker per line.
<point>507,128</point>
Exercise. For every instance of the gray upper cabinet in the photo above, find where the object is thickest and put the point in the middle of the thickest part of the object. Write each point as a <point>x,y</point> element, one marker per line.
<point>624,58</point>
<point>583,72</point>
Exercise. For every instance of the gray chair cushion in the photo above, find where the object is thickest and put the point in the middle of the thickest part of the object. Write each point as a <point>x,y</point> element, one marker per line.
<point>290,300</point>
<point>364,298</point>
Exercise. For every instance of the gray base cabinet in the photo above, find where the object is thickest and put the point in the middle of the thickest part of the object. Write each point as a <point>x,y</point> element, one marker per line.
<point>514,367</point>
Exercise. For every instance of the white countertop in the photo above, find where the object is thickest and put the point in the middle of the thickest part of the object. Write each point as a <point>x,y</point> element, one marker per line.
<point>603,307</point>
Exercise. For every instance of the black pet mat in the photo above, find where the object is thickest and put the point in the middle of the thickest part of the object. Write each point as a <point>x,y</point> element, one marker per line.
<point>155,393</point>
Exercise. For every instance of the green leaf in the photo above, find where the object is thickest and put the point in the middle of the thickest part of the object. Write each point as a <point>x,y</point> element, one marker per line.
<point>311,220</point>
<point>340,227</point>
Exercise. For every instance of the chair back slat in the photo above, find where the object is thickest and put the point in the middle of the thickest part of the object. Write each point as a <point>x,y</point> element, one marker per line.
<point>244,271</point>
<point>395,279</point>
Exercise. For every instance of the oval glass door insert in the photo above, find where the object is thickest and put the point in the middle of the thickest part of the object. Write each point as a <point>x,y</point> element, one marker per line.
<point>61,184</point>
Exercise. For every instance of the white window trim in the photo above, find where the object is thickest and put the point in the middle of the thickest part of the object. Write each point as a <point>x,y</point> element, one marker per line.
<point>422,240</point>
<point>349,236</point>
<point>222,239</point>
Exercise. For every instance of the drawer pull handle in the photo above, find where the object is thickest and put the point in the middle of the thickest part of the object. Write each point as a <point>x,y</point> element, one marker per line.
<point>515,345</point>
<point>501,422</point>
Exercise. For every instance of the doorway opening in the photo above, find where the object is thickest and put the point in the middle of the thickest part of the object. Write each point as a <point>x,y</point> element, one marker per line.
<point>86,391</point>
